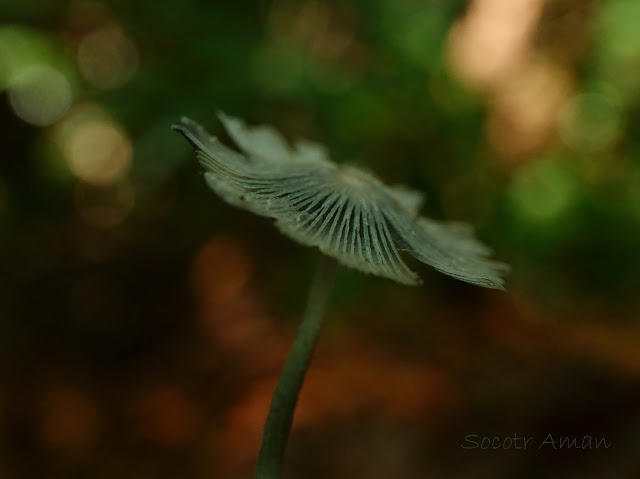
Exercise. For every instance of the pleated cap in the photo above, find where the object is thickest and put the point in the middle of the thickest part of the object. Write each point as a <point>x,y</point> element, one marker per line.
<point>344,211</point>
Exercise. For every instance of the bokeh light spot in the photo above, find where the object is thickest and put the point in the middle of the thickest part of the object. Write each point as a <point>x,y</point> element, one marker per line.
<point>616,45</point>
<point>107,58</point>
<point>98,151</point>
<point>618,29</point>
<point>492,39</point>
<point>590,122</point>
<point>20,49</point>
<point>542,191</point>
<point>40,95</point>
<point>526,106</point>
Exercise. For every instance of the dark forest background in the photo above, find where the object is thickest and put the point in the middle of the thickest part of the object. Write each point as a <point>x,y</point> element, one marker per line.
<point>143,322</point>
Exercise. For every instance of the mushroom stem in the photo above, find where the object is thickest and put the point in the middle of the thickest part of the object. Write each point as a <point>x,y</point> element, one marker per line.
<point>285,397</point>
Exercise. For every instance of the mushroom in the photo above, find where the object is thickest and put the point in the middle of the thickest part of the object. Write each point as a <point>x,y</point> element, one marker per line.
<point>349,215</point>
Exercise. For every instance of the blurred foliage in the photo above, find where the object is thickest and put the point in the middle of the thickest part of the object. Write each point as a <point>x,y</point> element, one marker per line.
<point>143,322</point>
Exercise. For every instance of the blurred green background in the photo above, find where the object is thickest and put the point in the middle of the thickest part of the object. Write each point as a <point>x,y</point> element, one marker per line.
<point>143,322</point>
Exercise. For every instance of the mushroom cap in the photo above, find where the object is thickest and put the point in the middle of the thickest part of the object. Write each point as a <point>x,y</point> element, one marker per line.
<point>345,211</point>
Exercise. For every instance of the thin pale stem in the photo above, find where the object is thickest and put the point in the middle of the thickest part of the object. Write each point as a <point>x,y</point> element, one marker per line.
<point>285,397</point>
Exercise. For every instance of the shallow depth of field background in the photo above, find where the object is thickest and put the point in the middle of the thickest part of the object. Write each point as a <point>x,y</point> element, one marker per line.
<point>143,322</point>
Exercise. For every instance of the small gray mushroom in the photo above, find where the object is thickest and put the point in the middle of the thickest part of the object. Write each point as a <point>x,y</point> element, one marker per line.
<point>345,211</point>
